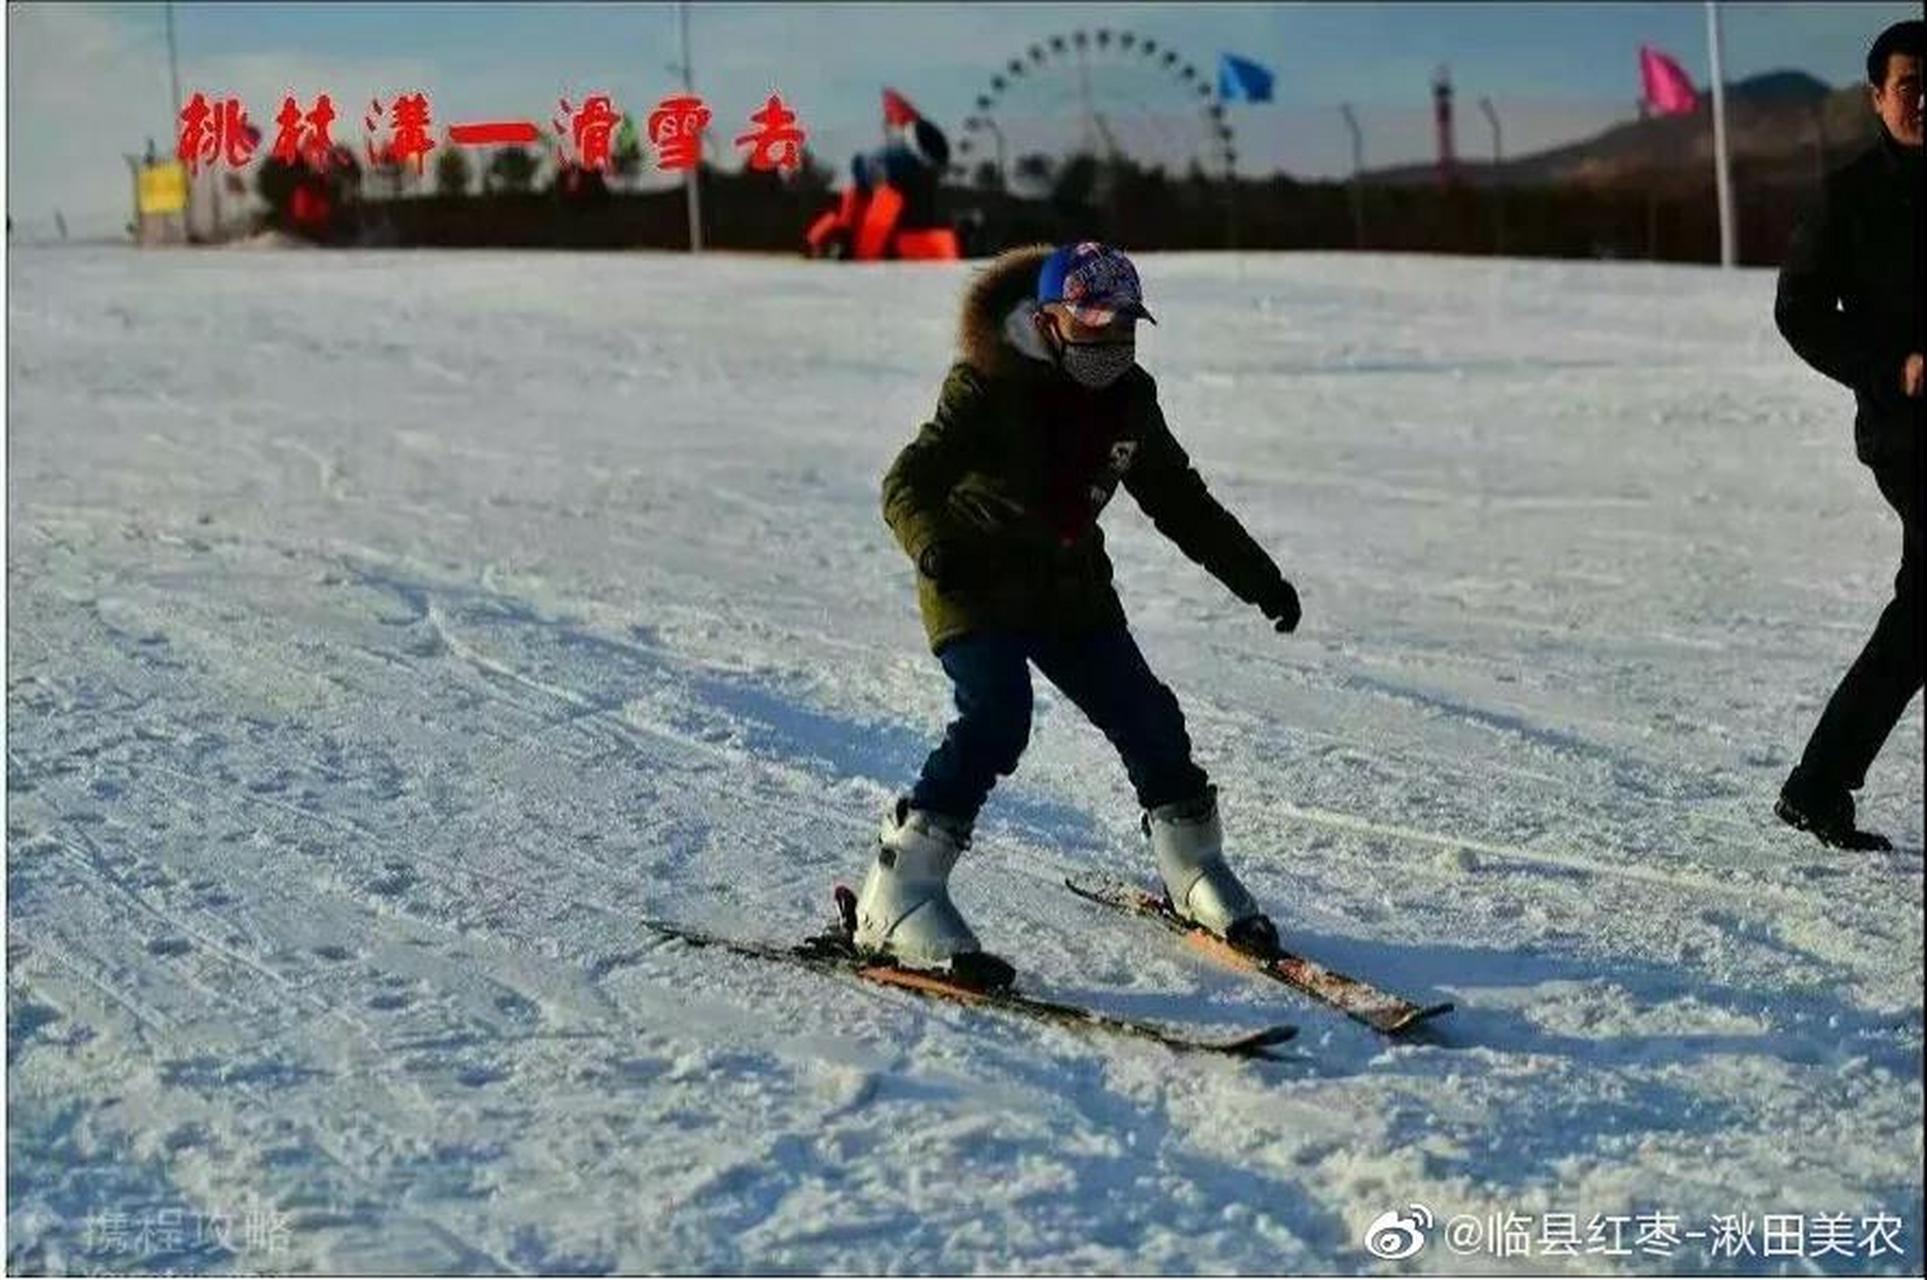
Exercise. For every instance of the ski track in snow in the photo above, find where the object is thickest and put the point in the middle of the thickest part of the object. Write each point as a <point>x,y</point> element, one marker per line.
<point>390,633</point>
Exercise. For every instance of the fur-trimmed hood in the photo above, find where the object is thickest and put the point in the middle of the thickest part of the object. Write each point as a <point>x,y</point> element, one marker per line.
<point>985,341</point>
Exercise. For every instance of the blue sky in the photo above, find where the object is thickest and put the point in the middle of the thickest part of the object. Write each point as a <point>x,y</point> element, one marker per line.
<point>87,83</point>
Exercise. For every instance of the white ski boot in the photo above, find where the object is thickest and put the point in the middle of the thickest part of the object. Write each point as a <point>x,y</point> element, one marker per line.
<point>905,911</point>
<point>1188,842</point>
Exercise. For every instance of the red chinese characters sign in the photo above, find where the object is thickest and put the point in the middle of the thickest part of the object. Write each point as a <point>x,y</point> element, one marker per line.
<point>778,142</point>
<point>408,124</point>
<point>304,136</point>
<point>676,129</point>
<point>212,133</point>
<point>592,127</point>
<point>219,132</point>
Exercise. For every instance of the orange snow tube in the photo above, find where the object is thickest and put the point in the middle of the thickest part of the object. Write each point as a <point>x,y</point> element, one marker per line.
<point>840,221</point>
<point>820,230</point>
<point>929,243</point>
<point>879,220</point>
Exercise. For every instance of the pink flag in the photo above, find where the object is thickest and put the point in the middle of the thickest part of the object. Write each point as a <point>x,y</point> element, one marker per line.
<point>1668,88</point>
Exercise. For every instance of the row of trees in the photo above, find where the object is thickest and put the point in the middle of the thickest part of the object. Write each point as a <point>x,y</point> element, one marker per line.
<point>454,172</point>
<point>1071,181</point>
<point>512,170</point>
<point>512,197</point>
<point>1647,214</point>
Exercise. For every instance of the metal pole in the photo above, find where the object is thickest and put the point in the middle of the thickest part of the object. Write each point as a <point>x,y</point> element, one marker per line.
<point>1652,223</point>
<point>1003,173</point>
<point>691,186</point>
<point>173,111</point>
<point>173,66</point>
<point>1721,174</point>
<point>1358,169</point>
<point>1652,193</point>
<point>134,172</point>
<point>1084,94</point>
<point>1498,192</point>
<point>1231,208</point>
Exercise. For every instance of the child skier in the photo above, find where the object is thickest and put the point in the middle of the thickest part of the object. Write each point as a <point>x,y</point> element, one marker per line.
<point>996,501</point>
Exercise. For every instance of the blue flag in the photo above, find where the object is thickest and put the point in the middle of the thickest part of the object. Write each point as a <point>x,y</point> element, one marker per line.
<point>1242,80</point>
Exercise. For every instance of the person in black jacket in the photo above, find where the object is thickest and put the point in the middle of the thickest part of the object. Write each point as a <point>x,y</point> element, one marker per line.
<point>1850,304</point>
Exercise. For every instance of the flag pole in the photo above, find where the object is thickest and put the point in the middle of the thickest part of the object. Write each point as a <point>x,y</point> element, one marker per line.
<point>1358,175</point>
<point>1652,190</point>
<point>1721,173</point>
<point>690,176</point>
<point>1498,179</point>
<point>173,65</point>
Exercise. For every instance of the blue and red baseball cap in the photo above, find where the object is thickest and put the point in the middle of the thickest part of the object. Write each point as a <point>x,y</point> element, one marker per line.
<point>1095,282</point>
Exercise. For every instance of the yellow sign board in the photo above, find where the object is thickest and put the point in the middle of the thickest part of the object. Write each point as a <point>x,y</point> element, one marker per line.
<point>163,187</point>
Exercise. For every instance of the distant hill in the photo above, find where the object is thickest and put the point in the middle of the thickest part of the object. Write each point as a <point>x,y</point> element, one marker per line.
<point>1795,87</point>
<point>1781,127</point>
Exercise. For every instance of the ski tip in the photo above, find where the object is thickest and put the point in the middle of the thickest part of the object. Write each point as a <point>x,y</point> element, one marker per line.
<point>1258,1044</point>
<point>1413,1018</point>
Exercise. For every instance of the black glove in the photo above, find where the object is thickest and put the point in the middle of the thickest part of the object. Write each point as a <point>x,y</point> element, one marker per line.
<point>1281,606</point>
<point>951,565</point>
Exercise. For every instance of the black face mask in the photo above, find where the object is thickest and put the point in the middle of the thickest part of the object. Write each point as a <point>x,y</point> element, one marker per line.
<point>1093,365</point>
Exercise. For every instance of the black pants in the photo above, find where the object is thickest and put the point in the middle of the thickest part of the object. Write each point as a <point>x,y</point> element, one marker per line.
<point>1885,677</point>
<point>1102,671</point>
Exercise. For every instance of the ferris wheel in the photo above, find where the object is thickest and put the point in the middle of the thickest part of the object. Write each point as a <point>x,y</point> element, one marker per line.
<point>1105,93</point>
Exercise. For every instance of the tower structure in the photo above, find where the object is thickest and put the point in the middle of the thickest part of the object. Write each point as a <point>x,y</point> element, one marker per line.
<point>1442,118</point>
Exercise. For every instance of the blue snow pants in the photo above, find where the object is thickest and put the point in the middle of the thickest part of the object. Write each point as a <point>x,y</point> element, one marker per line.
<point>1101,671</point>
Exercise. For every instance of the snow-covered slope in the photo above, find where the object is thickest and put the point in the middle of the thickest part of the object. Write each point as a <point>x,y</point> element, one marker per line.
<point>388,632</point>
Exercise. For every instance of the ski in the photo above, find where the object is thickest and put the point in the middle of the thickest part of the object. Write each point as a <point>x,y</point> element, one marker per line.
<point>832,952</point>
<point>1380,1010</point>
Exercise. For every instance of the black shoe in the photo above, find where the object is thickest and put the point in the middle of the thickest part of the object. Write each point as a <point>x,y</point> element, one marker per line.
<point>1829,819</point>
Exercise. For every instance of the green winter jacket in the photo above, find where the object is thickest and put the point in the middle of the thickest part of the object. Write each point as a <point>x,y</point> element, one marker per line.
<point>1014,467</point>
